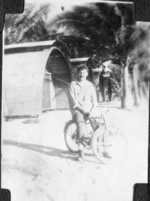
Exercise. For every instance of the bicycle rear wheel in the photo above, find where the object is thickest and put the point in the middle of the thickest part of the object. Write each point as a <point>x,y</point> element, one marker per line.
<point>109,145</point>
<point>70,135</point>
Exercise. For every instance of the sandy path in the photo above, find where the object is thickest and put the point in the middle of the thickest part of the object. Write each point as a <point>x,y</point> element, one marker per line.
<point>36,164</point>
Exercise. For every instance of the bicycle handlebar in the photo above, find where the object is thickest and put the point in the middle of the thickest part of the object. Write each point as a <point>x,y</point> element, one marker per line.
<point>99,117</point>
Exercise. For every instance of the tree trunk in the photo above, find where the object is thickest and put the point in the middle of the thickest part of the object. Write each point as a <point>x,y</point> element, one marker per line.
<point>135,86</point>
<point>126,99</point>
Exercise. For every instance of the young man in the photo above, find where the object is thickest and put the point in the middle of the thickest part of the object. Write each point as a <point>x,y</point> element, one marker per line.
<point>82,98</point>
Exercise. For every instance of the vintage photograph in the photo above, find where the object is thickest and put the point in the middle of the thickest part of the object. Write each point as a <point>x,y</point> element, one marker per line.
<point>75,101</point>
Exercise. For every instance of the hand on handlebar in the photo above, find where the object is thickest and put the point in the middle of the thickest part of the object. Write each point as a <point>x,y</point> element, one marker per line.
<point>83,111</point>
<point>89,114</point>
<point>86,113</point>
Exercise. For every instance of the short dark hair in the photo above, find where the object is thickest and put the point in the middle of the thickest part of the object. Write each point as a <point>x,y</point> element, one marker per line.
<point>82,67</point>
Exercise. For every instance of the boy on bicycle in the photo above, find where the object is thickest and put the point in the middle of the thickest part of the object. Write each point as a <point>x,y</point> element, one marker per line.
<point>82,99</point>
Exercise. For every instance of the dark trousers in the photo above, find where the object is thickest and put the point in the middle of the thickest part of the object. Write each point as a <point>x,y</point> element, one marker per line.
<point>105,82</point>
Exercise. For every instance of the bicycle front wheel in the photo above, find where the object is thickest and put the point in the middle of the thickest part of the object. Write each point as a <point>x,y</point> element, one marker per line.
<point>109,145</point>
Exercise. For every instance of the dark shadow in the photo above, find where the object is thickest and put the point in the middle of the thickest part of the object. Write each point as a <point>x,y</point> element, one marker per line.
<point>50,151</point>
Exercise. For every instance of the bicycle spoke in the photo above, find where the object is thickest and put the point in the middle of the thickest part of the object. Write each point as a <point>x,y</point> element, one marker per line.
<point>71,132</point>
<point>71,138</point>
<point>108,144</point>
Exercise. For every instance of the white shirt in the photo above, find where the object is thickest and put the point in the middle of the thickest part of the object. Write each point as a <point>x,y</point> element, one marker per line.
<point>82,94</point>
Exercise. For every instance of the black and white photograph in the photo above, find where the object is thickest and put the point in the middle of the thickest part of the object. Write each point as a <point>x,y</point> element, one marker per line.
<point>75,101</point>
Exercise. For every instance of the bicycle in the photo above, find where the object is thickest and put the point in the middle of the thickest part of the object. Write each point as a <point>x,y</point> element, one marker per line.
<point>107,141</point>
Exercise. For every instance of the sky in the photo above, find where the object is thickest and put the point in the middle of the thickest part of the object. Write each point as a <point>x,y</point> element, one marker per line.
<point>67,4</point>
<point>56,8</point>
<point>56,5</point>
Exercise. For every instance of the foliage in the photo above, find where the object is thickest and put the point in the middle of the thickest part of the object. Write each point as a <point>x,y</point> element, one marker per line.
<point>26,27</point>
<point>101,31</point>
<point>104,29</point>
<point>140,52</point>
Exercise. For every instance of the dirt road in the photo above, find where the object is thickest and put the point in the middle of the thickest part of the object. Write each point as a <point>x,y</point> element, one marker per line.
<point>36,164</point>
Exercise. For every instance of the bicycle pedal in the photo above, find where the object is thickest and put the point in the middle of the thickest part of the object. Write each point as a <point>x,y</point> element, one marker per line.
<point>106,155</point>
<point>87,141</point>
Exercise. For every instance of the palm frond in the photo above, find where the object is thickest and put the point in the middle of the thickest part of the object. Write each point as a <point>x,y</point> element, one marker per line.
<point>27,26</point>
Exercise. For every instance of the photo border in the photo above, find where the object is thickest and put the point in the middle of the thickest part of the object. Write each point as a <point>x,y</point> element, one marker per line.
<point>141,13</point>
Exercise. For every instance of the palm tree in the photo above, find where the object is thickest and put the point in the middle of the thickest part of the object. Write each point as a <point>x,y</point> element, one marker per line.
<point>99,30</point>
<point>108,29</point>
<point>141,40</point>
<point>111,30</point>
<point>89,22</point>
<point>26,27</point>
<point>124,42</point>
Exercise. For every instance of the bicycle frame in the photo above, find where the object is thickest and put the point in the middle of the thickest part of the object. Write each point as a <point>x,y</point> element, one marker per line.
<point>100,135</point>
<point>94,125</point>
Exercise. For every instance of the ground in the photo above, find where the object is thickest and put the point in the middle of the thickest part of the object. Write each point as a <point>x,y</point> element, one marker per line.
<point>36,164</point>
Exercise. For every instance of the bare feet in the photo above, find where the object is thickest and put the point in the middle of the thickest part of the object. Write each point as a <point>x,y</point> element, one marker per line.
<point>81,154</point>
<point>80,159</point>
